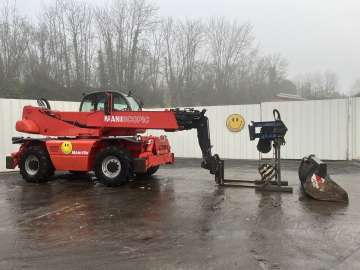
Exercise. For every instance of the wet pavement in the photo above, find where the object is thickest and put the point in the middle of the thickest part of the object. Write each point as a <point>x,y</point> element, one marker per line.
<point>178,219</point>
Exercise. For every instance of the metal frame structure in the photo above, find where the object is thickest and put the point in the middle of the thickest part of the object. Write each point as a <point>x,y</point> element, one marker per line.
<point>274,184</point>
<point>271,132</point>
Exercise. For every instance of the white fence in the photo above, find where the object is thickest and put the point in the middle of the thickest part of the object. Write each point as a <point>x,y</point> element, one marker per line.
<point>226,143</point>
<point>318,126</point>
<point>328,128</point>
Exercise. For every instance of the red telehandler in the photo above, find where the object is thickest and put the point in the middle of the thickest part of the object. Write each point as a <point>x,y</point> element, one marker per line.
<point>104,137</point>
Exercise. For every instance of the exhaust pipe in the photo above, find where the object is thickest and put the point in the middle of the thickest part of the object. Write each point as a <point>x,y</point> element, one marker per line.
<point>317,184</point>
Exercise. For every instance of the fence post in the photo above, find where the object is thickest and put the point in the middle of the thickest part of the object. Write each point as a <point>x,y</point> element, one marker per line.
<point>349,150</point>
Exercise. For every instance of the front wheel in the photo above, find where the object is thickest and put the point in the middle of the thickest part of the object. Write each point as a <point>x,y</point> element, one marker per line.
<point>112,166</point>
<point>35,165</point>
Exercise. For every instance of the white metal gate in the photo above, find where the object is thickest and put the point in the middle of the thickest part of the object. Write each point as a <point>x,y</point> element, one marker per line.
<point>317,127</point>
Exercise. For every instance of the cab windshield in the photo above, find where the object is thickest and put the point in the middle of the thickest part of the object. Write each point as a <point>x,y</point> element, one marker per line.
<point>96,102</point>
<point>92,103</point>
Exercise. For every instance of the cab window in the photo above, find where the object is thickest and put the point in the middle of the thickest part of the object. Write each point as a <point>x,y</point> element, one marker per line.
<point>133,103</point>
<point>96,102</point>
<point>119,103</point>
<point>93,103</point>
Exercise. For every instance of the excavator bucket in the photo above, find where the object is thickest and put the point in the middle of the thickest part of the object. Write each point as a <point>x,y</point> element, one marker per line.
<point>316,182</point>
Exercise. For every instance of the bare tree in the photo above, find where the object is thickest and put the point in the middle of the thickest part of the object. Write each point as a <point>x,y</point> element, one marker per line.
<point>141,20</point>
<point>79,24</point>
<point>155,53</point>
<point>57,43</point>
<point>318,85</point>
<point>183,49</point>
<point>355,88</point>
<point>122,27</point>
<point>228,43</point>
<point>330,83</point>
<point>69,43</point>
<point>101,73</point>
<point>14,41</point>
<point>125,46</point>
<point>106,31</point>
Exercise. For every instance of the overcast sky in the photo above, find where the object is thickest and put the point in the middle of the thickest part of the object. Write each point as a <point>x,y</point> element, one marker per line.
<point>313,35</point>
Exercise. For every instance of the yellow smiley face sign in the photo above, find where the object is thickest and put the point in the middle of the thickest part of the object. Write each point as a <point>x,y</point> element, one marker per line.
<point>66,148</point>
<point>235,122</point>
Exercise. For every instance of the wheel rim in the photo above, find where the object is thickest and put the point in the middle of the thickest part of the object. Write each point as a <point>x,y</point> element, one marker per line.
<point>111,167</point>
<point>32,165</point>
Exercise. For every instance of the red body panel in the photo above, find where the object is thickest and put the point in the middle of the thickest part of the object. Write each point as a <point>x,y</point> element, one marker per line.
<point>93,124</point>
<point>27,126</point>
<point>78,160</point>
<point>86,133</point>
<point>83,151</point>
<point>49,123</point>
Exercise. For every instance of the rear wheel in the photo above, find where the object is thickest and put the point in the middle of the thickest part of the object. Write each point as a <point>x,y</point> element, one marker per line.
<point>149,172</point>
<point>112,166</point>
<point>35,165</point>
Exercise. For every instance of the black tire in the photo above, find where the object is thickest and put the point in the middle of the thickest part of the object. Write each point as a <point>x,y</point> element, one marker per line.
<point>112,166</point>
<point>148,173</point>
<point>35,165</point>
